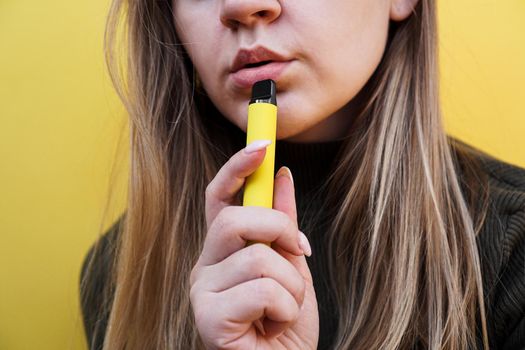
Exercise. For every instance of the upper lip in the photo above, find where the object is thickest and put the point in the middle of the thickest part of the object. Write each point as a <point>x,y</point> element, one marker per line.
<point>257,54</point>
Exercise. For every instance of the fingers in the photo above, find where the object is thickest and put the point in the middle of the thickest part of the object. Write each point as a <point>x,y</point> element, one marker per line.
<point>222,190</point>
<point>254,261</point>
<point>251,300</point>
<point>284,201</point>
<point>233,285</point>
<point>299,262</point>
<point>235,225</point>
<point>284,193</point>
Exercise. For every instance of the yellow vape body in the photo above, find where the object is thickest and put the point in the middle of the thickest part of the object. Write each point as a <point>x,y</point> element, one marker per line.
<point>262,125</point>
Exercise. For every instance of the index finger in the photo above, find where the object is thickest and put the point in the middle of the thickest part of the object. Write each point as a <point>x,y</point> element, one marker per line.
<point>230,178</point>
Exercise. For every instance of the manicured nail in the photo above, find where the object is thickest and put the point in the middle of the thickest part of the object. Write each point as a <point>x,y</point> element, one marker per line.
<point>256,146</point>
<point>285,171</point>
<point>304,244</point>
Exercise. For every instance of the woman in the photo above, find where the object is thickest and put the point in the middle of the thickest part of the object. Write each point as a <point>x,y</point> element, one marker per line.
<point>416,239</point>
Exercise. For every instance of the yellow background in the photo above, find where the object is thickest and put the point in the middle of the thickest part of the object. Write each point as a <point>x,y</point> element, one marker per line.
<point>60,127</point>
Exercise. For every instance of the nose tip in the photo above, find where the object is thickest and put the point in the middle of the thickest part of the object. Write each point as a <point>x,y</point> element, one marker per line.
<point>247,12</point>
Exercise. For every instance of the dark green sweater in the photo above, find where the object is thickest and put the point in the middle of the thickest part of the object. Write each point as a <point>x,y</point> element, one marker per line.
<point>501,244</point>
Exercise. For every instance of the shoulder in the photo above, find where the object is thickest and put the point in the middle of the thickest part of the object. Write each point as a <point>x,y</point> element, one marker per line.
<point>504,182</point>
<point>96,289</point>
<point>101,253</point>
<point>502,249</point>
<point>505,178</point>
<point>506,188</point>
<point>507,184</point>
<point>507,195</point>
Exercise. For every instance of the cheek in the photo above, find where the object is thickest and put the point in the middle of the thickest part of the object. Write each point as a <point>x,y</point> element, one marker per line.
<point>347,59</point>
<point>333,68</point>
<point>197,33</point>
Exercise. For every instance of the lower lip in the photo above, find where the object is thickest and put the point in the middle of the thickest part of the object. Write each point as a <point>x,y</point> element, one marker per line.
<point>246,77</point>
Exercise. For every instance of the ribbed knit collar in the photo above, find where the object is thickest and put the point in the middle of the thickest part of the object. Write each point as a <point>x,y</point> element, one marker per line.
<point>309,163</point>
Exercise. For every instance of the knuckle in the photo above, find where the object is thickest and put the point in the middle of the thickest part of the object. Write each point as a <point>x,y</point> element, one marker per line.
<point>256,259</point>
<point>224,220</point>
<point>193,295</point>
<point>265,290</point>
<point>199,302</point>
<point>208,192</point>
<point>194,275</point>
<point>201,315</point>
<point>288,226</point>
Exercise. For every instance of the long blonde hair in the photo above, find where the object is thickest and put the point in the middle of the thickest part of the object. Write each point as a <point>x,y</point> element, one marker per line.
<point>402,256</point>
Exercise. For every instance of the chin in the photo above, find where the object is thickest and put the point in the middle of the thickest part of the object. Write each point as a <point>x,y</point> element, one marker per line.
<point>291,127</point>
<point>289,134</point>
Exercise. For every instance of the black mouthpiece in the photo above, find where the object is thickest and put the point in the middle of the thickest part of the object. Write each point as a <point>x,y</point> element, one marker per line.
<point>264,91</point>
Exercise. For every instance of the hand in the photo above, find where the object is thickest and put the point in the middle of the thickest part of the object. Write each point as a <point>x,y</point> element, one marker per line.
<point>234,285</point>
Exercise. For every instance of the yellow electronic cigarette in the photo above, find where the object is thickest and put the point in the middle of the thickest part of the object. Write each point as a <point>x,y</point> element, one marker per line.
<point>262,125</point>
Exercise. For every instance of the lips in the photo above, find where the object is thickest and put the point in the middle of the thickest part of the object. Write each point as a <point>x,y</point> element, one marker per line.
<point>246,77</point>
<point>250,66</point>
<point>255,56</point>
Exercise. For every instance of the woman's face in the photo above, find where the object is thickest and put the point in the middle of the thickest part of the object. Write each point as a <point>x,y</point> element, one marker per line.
<point>332,49</point>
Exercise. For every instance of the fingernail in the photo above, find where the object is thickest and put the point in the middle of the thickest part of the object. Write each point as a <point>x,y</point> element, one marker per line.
<point>285,171</point>
<point>304,244</point>
<point>256,146</point>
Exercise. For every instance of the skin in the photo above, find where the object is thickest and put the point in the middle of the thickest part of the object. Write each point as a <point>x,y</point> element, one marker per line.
<point>316,92</point>
<point>234,285</point>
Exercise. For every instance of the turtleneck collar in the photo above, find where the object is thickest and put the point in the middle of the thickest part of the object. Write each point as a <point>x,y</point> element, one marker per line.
<point>310,163</point>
